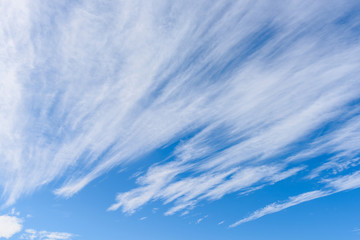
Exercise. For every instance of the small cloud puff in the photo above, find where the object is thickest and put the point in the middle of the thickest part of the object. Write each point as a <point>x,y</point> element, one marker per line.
<point>9,225</point>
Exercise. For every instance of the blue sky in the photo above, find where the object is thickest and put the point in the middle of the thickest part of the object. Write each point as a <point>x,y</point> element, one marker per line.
<point>179,120</point>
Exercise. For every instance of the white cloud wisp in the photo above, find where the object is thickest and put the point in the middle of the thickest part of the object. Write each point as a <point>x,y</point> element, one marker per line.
<point>333,186</point>
<point>31,234</point>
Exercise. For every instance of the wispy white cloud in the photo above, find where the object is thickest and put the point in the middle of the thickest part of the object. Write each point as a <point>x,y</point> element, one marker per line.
<point>9,225</point>
<point>201,219</point>
<point>156,178</point>
<point>277,207</point>
<point>236,85</point>
<point>209,186</point>
<point>347,182</point>
<point>336,185</point>
<point>31,234</point>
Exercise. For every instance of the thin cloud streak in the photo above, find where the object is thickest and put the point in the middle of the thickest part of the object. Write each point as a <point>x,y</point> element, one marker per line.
<point>342,183</point>
<point>30,234</point>
<point>277,207</point>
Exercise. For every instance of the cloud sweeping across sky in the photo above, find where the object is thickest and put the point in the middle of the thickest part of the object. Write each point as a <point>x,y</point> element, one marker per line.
<point>244,94</point>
